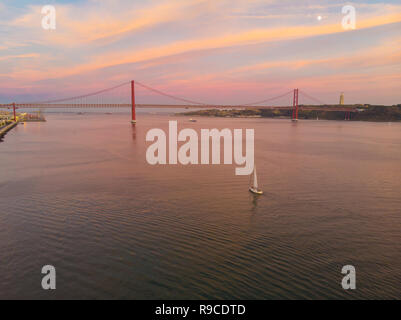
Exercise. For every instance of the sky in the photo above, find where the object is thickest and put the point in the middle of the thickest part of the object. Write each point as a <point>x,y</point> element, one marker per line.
<point>219,51</point>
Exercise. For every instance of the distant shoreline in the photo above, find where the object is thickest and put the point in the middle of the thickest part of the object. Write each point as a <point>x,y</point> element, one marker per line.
<point>372,113</point>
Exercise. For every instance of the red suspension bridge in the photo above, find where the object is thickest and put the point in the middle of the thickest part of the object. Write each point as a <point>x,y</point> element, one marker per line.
<point>114,98</point>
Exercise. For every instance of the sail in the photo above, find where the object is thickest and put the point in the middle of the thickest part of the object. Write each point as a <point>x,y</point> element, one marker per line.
<point>255,179</point>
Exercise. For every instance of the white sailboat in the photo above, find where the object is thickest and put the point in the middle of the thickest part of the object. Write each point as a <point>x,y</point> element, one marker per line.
<point>254,188</point>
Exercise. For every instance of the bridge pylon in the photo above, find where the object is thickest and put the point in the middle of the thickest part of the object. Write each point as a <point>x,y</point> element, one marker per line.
<point>14,112</point>
<point>295,106</point>
<point>133,115</point>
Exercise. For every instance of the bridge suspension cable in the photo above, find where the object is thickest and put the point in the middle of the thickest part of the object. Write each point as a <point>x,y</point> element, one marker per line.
<point>211,104</point>
<point>266,100</point>
<point>81,96</point>
<point>169,95</point>
<point>312,98</point>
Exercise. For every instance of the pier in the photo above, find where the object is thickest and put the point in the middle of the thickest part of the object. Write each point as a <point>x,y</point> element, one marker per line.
<point>6,128</point>
<point>9,120</point>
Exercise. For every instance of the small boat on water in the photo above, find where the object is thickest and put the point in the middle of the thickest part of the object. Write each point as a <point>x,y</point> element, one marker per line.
<point>254,187</point>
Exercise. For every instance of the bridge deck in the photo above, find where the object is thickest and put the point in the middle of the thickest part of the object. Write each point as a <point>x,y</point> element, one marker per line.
<point>105,105</point>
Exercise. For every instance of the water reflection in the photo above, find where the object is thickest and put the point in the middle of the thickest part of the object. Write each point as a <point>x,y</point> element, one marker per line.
<point>133,128</point>
<point>80,197</point>
<point>255,199</point>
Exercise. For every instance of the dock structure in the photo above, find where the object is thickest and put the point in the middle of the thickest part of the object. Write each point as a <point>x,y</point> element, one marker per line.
<point>10,120</point>
<point>6,128</point>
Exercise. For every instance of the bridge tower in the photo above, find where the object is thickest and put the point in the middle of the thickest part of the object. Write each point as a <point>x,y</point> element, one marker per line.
<point>14,113</point>
<point>295,106</point>
<point>133,120</point>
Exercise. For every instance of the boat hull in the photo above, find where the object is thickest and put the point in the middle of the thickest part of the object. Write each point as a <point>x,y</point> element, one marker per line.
<point>255,191</point>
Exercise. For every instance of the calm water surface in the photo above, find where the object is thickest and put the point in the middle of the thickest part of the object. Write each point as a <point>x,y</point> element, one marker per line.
<point>77,193</point>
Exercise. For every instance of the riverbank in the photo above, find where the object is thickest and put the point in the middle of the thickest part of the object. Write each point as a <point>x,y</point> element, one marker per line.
<point>6,128</point>
<point>358,113</point>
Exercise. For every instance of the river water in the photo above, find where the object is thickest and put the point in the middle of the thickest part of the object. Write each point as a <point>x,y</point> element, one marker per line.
<point>77,193</point>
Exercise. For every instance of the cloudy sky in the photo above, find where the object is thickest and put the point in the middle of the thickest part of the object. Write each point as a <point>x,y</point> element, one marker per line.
<point>217,51</point>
